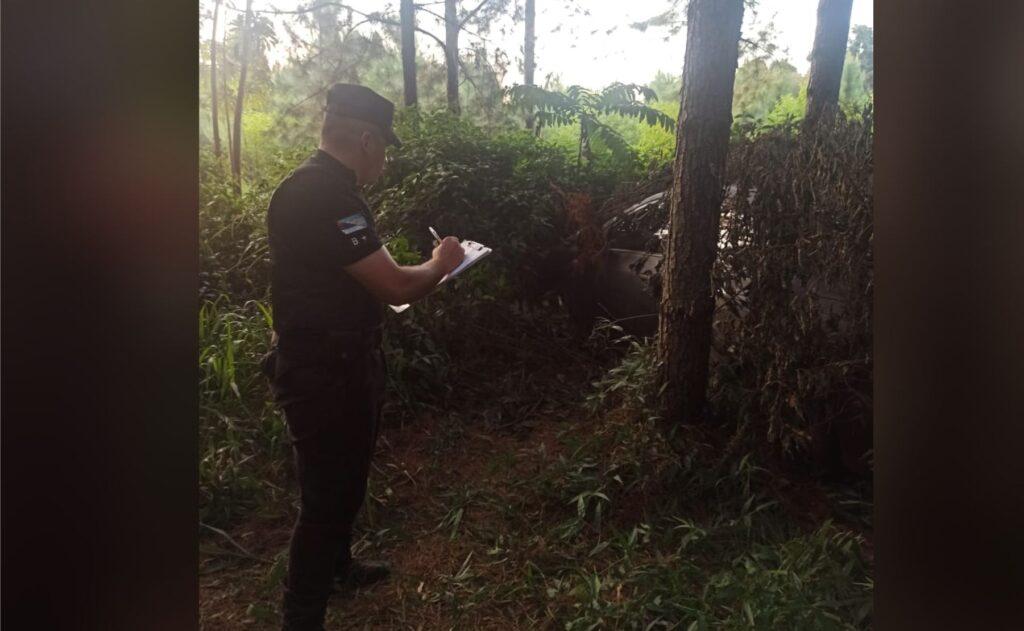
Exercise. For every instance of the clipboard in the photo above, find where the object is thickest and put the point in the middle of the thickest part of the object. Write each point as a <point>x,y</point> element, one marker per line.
<point>473,251</point>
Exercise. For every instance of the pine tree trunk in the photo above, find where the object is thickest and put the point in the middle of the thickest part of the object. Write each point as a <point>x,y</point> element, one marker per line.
<point>451,54</point>
<point>408,20</point>
<point>528,61</point>
<point>236,144</point>
<point>827,57</point>
<point>226,109</point>
<point>213,82</point>
<point>705,118</point>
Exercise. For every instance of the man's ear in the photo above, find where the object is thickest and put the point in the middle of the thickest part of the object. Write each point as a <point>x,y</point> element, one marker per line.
<point>364,140</point>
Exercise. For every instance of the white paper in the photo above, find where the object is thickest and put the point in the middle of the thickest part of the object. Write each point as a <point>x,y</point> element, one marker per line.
<point>473,252</point>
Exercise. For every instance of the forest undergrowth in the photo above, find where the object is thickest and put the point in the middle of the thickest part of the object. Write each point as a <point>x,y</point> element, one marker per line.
<point>522,479</point>
<point>541,498</point>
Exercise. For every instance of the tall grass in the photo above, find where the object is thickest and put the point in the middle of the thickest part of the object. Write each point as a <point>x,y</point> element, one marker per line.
<point>242,439</point>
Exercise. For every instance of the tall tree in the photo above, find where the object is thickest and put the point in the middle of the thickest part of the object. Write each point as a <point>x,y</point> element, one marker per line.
<point>213,81</point>
<point>827,57</point>
<point>407,17</point>
<point>454,24</point>
<point>227,112</point>
<point>236,141</point>
<point>862,45</point>
<point>528,61</point>
<point>705,118</point>
<point>451,53</point>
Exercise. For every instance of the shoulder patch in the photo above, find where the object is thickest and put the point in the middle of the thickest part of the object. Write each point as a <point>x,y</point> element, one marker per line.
<point>352,223</point>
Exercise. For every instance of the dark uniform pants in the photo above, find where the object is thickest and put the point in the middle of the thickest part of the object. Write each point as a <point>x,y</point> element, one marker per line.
<point>332,409</point>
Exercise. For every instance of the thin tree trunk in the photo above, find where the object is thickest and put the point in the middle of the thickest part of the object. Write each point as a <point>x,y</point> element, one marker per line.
<point>528,61</point>
<point>827,57</point>
<point>705,118</point>
<point>226,109</point>
<point>451,53</point>
<point>236,145</point>
<point>213,82</point>
<point>579,151</point>
<point>408,19</point>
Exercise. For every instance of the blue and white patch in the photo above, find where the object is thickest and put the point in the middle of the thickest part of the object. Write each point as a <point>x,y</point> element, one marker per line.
<point>352,223</point>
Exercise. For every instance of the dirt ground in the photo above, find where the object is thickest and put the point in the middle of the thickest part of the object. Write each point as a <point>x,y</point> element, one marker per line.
<point>464,506</point>
<point>423,474</point>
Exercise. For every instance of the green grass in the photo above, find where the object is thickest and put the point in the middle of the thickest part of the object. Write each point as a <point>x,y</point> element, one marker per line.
<point>607,529</point>
<point>591,522</point>
<point>242,438</point>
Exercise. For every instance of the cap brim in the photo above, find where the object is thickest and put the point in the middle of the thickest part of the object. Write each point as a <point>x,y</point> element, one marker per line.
<point>391,138</point>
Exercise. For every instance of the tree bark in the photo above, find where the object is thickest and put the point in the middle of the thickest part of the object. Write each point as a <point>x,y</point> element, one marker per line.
<point>227,109</point>
<point>213,82</point>
<point>236,144</point>
<point>705,118</point>
<point>827,57</point>
<point>528,61</point>
<point>408,19</point>
<point>451,53</point>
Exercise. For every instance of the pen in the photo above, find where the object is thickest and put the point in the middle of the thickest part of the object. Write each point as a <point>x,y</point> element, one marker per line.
<point>437,237</point>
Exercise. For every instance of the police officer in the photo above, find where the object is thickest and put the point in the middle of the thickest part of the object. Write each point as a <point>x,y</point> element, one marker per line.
<point>330,275</point>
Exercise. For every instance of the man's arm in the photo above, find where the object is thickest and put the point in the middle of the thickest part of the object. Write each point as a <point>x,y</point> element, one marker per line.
<point>397,285</point>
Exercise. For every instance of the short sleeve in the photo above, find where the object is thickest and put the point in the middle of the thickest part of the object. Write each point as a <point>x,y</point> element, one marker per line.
<point>321,227</point>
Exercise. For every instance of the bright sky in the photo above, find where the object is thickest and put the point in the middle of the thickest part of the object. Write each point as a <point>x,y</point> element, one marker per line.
<point>595,60</point>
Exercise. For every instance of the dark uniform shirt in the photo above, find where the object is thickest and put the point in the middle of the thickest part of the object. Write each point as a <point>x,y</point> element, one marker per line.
<point>318,223</point>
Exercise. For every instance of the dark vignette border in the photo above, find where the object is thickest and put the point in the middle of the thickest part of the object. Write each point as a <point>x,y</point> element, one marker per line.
<point>98,333</point>
<point>99,279</point>
<point>949,384</point>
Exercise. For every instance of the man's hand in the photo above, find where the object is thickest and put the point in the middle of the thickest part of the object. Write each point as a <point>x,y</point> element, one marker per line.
<point>448,254</point>
<point>396,285</point>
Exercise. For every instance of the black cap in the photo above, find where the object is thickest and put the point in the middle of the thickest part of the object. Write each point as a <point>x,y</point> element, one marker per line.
<point>362,103</point>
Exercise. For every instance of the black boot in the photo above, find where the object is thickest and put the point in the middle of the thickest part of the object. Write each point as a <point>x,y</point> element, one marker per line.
<point>303,613</point>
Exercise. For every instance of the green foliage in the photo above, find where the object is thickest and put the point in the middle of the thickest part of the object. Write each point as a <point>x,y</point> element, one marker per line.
<point>242,445</point>
<point>788,109</point>
<point>656,146</point>
<point>631,384</point>
<point>667,86</point>
<point>854,88</point>
<point>862,47</point>
<point>234,257</point>
<point>586,109</point>
<point>638,537</point>
<point>760,86</point>
<point>495,189</point>
<point>775,94</point>
<point>259,77</point>
<point>713,547</point>
<point>795,273</point>
<point>449,173</point>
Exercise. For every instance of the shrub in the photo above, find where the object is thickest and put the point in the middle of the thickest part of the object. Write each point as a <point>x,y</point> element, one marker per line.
<point>795,272</point>
<point>494,189</point>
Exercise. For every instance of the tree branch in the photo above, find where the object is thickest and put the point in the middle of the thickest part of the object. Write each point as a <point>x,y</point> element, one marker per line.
<point>314,8</point>
<point>461,26</point>
<point>465,73</point>
<point>245,553</point>
<point>433,13</point>
<point>757,46</point>
<point>370,17</point>
<point>440,42</point>
<point>469,16</point>
<point>333,74</point>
